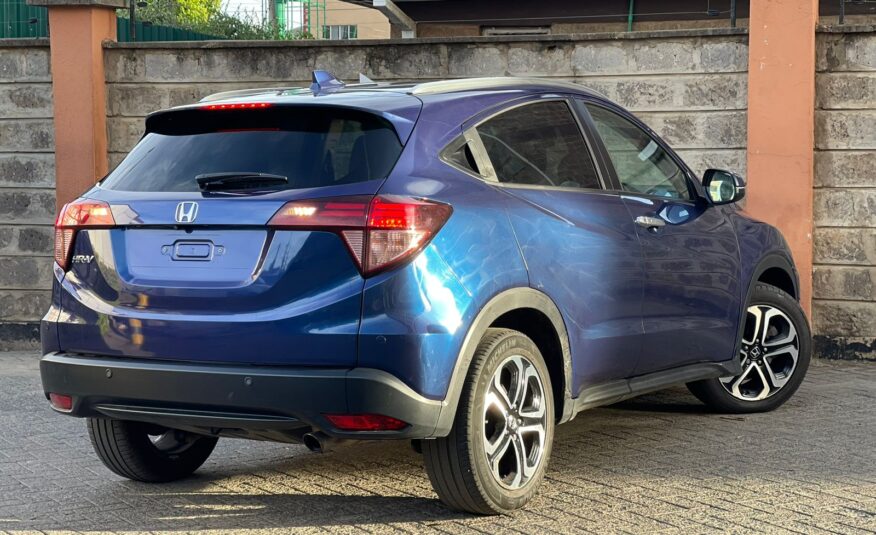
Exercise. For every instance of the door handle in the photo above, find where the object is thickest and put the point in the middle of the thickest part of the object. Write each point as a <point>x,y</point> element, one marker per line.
<point>650,223</point>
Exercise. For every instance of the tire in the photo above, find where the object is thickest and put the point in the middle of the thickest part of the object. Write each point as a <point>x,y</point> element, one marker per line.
<point>127,449</point>
<point>771,364</point>
<point>458,465</point>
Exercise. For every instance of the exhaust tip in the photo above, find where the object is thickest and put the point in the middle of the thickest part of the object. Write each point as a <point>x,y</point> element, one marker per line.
<point>313,443</point>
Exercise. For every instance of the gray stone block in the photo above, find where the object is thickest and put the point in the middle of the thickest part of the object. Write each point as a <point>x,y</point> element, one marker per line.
<point>124,132</point>
<point>25,100</point>
<point>24,64</point>
<point>851,246</point>
<point>601,57</point>
<point>699,130</point>
<point>27,206</point>
<point>541,59</point>
<point>729,54</point>
<point>475,60</point>
<point>24,305</point>
<point>26,240</point>
<point>701,159</point>
<point>844,318</point>
<point>664,56</point>
<point>842,282</point>
<point>35,170</point>
<point>845,207</point>
<point>846,52</point>
<point>25,273</point>
<point>844,90</point>
<point>27,135</point>
<point>845,168</point>
<point>712,92</point>
<point>845,129</point>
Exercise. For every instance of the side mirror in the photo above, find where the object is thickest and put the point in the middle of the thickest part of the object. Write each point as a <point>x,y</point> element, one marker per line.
<point>723,187</point>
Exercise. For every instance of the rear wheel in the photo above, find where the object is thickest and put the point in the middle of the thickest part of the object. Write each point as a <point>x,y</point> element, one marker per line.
<point>775,353</point>
<point>495,456</point>
<point>145,452</point>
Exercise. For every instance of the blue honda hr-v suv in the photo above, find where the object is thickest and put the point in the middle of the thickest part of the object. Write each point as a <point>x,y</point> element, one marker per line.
<point>464,264</point>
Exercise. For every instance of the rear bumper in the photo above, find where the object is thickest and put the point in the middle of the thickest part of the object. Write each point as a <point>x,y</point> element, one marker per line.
<point>267,402</point>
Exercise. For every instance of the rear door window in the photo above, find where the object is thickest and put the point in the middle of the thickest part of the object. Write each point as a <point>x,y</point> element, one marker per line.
<point>310,146</point>
<point>539,144</point>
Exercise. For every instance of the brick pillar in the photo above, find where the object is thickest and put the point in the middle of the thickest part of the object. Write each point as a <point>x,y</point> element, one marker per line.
<point>781,124</point>
<point>77,30</point>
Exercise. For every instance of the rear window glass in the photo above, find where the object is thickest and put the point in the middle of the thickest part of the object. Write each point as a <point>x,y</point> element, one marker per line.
<point>310,146</point>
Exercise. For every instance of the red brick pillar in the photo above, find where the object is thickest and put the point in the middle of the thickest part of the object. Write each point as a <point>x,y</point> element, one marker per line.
<point>781,124</point>
<point>77,30</point>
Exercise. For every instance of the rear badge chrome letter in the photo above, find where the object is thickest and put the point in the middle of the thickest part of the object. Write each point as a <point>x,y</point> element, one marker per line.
<point>83,258</point>
<point>186,212</point>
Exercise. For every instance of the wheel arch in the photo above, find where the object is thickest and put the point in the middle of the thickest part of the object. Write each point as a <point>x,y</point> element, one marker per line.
<point>775,269</point>
<point>512,309</point>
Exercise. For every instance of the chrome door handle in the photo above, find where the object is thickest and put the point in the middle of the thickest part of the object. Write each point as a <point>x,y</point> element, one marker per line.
<point>650,223</point>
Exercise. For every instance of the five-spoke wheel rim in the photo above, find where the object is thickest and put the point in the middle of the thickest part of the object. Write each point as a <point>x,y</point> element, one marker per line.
<point>515,421</point>
<point>770,347</point>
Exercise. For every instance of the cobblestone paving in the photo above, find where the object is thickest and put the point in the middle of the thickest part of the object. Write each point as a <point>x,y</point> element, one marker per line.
<point>659,463</point>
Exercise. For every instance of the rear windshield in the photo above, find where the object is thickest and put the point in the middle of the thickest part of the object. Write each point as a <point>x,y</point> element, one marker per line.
<point>310,146</point>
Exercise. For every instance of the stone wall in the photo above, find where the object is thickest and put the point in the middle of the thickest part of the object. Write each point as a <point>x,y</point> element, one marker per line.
<point>689,85</point>
<point>27,197</point>
<point>844,283</point>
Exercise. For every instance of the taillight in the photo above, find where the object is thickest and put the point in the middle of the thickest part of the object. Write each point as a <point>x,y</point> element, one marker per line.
<point>76,215</point>
<point>380,232</point>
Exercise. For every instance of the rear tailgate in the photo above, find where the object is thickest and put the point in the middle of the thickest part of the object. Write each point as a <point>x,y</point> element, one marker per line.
<point>199,276</point>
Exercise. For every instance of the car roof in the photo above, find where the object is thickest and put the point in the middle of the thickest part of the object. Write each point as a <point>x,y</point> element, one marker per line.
<point>398,102</point>
<point>417,89</point>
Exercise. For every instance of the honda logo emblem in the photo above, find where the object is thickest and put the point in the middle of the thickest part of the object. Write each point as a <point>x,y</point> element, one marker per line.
<point>186,212</point>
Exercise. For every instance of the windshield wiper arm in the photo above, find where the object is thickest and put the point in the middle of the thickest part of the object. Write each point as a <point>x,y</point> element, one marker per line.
<point>239,180</point>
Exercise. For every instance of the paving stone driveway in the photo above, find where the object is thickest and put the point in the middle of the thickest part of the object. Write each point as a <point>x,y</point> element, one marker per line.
<point>654,464</point>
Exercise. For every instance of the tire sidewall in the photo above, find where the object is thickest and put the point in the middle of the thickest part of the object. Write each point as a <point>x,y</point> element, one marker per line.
<point>507,499</point>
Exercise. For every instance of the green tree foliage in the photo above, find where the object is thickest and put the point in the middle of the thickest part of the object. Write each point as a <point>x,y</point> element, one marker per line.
<point>207,17</point>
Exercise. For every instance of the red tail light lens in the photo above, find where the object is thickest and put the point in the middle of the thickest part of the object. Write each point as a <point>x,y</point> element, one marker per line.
<point>380,231</point>
<point>76,215</point>
<point>365,422</point>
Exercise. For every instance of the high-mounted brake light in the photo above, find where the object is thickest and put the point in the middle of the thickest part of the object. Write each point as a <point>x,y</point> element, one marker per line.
<point>237,106</point>
<point>381,231</point>
<point>83,213</point>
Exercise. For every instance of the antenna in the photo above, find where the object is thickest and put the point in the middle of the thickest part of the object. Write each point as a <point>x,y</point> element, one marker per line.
<point>325,82</point>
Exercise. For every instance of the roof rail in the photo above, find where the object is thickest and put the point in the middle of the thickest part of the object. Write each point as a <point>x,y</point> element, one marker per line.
<point>246,93</point>
<point>472,84</point>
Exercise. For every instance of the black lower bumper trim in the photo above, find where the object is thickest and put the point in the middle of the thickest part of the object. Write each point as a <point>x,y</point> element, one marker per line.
<point>248,398</point>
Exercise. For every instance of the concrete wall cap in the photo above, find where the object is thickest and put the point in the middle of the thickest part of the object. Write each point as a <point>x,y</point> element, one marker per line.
<point>111,4</point>
<point>607,36</point>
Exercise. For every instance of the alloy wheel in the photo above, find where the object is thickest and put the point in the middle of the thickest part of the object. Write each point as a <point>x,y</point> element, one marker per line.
<point>515,422</point>
<point>770,347</point>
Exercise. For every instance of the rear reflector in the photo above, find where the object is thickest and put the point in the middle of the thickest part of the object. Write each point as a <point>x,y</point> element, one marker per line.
<point>79,214</point>
<point>381,231</point>
<point>365,422</point>
<point>61,402</point>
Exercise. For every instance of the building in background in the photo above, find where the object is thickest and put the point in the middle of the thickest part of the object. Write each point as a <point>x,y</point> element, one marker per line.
<point>329,19</point>
<point>453,18</point>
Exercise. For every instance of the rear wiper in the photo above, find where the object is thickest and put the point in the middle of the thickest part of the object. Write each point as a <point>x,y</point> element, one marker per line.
<point>238,181</point>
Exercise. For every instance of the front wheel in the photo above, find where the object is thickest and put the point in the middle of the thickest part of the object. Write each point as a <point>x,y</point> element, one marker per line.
<point>494,458</point>
<point>146,452</point>
<point>775,353</point>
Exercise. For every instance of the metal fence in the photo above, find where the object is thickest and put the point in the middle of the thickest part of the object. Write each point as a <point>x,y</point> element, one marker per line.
<point>19,20</point>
